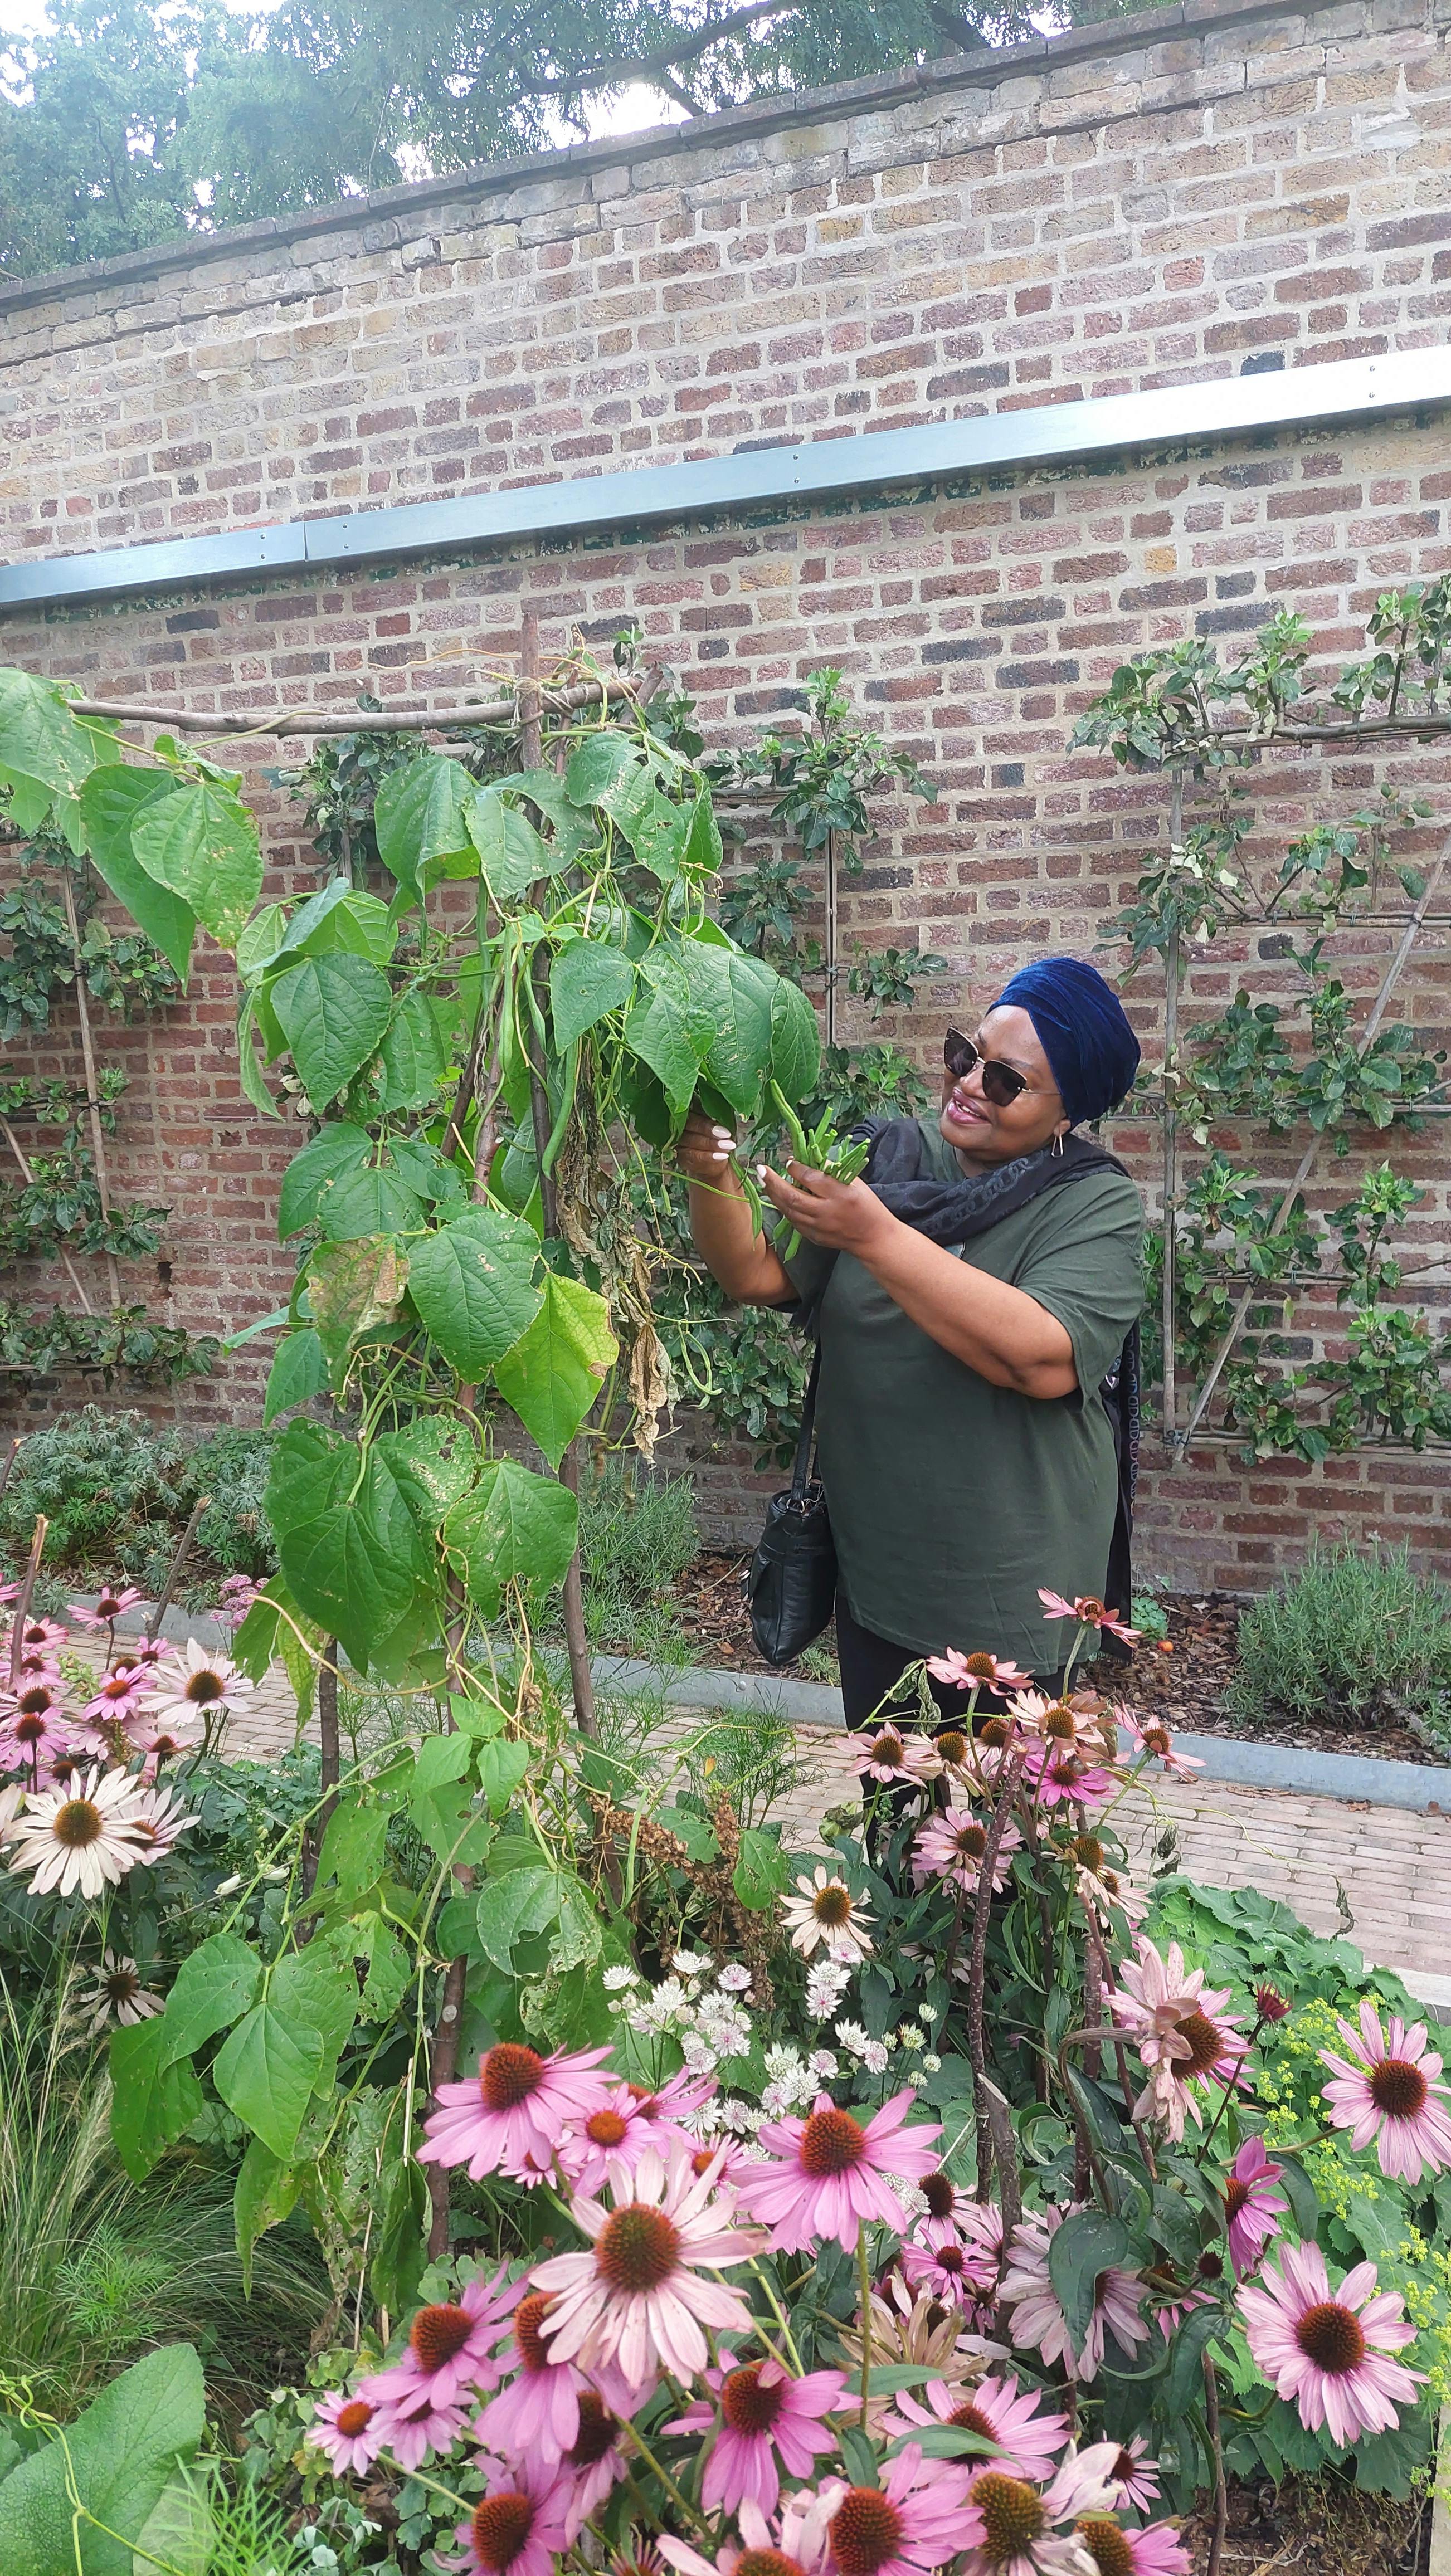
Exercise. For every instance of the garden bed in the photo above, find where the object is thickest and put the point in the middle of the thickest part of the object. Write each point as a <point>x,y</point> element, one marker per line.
<point>1316,2527</point>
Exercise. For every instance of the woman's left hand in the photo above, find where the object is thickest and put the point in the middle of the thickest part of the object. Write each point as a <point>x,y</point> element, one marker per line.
<point>842,1216</point>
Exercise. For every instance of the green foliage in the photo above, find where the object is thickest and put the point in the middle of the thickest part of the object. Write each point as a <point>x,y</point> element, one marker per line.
<point>126,1344</point>
<point>117,1494</point>
<point>1352,1635</point>
<point>110,2469</point>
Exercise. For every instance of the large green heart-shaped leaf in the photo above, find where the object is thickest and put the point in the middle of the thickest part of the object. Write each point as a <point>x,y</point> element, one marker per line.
<point>353,1568</point>
<point>374,1199</point>
<point>212,1988</point>
<point>120,2455</point>
<point>111,800</point>
<point>352,1288</point>
<point>795,1041</point>
<point>601,767</point>
<point>733,993</point>
<point>39,737</point>
<point>152,2101</point>
<point>432,1463</point>
<point>659,833</point>
<point>666,1028</point>
<point>338,1147</point>
<point>418,818</point>
<point>298,1373</point>
<point>201,841</point>
<point>554,1372</point>
<point>266,2072</point>
<point>333,1012</point>
<point>472,1283</point>
<point>511,853</point>
<point>413,1056</point>
<point>266,2193</point>
<point>342,917</point>
<point>302,1474</point>
<point>586,980</point>
<point>522,1901</point>
<point>571,830</point>
<point>514,1527</point>
<point>1087,2245</point>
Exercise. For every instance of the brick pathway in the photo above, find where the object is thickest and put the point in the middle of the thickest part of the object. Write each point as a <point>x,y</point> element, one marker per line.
<point>1393,1865</point>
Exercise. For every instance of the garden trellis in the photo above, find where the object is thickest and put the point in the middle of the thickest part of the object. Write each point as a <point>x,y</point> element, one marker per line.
<point>1162,714</point>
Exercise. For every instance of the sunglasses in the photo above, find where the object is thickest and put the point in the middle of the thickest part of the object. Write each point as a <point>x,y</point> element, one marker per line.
<point>1002,1084</point>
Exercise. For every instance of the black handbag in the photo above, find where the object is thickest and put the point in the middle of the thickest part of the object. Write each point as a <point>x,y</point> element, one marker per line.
<point>791,1587</point>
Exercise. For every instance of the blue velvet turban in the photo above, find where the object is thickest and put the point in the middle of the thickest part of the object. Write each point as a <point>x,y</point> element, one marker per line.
<point>1082,1029</point>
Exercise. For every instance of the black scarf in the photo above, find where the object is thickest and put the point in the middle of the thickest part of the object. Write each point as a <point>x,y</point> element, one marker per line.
<point>951,1212</point>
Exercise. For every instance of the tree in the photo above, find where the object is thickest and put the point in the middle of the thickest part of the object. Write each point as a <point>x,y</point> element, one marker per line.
<point>122,125</point>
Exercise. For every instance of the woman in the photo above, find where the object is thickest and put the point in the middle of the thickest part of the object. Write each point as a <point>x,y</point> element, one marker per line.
<point>973,1293</point>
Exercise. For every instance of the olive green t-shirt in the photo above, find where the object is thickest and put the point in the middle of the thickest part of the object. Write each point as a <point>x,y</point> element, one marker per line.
<point>952,1500</point>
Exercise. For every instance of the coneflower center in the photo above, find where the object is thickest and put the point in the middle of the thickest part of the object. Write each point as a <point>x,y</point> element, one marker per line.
<point>596,2435</point>
<point>747,2406</point>
<point>78,1824</point>
<point>1157,1739</point>
<point>31,1729</point>
<point>606,2128</point>
<point>1091,1611</point>
<point>354,2418</point>
<point>1013,2516</point>
<point>971,2419</point>
<point>949,2259</point>
<point>439,2334</point>
<point>37,1702</point>
<point>501,2526</point>
<point>1124,2468</point>
<point>1106,2545</point>
<point>120,1985</point>
<point>509,2074</point>
<point>831,1905</point>
<point>1206,2044</point>
<point>203,1688</point>
<point>1236,2196</point>
<point>981,1667</point>
<point>887,1747</point>
<point>1331,2336</point>
<point>952,1746</point>
<point>767,2562</point>
<point>940,2195</point>
<point>1060,1722</point>
<point>971,1841</point>
<point>866,2530</point>
<point>1398,2088</point>
<point>529,2342</point>
<point>831,2143</point>
<point>1088,1851</point>
<point>119,1685</point>
<point>638,2247</point>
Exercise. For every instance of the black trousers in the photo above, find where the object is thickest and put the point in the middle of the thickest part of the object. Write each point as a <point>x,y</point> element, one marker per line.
<point>871,1666</point>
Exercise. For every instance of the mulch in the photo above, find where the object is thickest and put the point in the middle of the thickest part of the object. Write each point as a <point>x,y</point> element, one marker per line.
<point>1315,2527</point>
<point>1185,1687</point>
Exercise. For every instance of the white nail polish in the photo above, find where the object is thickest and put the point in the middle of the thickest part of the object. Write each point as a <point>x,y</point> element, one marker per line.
<point>760,1171</point>
<point>724,1134</point>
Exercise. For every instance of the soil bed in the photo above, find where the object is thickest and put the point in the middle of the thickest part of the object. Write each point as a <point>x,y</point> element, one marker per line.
<point>1315,2527</point>
<point>1186,1686</point>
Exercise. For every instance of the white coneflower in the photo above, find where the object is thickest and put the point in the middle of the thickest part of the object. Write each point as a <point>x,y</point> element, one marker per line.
<point>117,1994</point>
<point>826,1912</point>
<point>196,1682</point>
<point>156,1823</point>
<point>78,1840</point>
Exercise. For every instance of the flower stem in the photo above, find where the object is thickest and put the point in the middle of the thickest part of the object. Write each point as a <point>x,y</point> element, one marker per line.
<point>668,2483</point>
<point>779,2314</point>
<point>864,2286</point>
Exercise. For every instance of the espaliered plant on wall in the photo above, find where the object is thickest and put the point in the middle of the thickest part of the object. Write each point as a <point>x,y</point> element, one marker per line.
<point>1232,1258</point>
<point>56,1204</point>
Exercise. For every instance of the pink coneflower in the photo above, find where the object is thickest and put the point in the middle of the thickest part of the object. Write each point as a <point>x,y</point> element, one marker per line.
<point>1116,2549</point>
<point>1028,2530</point>
<point>917,2519</point>
<point>118,1995</point>
<point>616,2134</point>
<point>976,1672</point>
<point>410,2438</point>
<point>635,2301</point>
<point>595,2459</point>
<point>510,2117</point>
<point>1055,1774</point>
<point>1134,2477</point>
<point>450,2350</point>
<point>825,1911</point>
<point>118,1694</point>
<point>1089,1612</point>
<point>34,1734</point>
<point>1180,2029</point>
<point>765,2417</point>
<point>1253,2208</point>
<point>893,1755</point>
<point>829,2173</point>
<point>667,2106</point>
<point>158,1820</point>
<point>1152,1737</point>
<point>538,2412</point>
<point>521,2526</point>
<point>199,1681</point>
<point>348,2431</point>
<point>110,1603</point>
<point>798,2546</point>
<point>939,2260</point>
<point>1038,2322</point>
<point>1388,2090</point>
<point>1000,2411</point>
<point>951,1846</point>
<point>1327,2350</point>
<point>77,1839</point>
<point>41,1637</point>
<point>162,1737</point>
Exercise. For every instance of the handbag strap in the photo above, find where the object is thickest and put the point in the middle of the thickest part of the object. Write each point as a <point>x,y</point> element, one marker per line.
<point>802,1469</point>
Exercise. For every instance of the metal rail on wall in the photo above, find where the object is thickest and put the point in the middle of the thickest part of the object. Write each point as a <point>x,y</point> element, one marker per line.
<point>821,470</point>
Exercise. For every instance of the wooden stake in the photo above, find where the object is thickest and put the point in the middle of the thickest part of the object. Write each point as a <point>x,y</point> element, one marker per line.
<point>22,1606</point>
<point>183,1547</point>
<point>71,1271</point>
<point>93,1098</point>
<point>1170,1194</point>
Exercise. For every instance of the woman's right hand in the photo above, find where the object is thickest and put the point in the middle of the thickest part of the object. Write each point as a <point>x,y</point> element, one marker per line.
<point>703,1151</point>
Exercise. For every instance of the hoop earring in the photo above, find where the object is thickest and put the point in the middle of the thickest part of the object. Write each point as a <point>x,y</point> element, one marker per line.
<point>1058,1142</point>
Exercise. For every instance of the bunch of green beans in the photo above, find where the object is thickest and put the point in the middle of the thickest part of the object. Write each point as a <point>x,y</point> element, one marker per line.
<point>822,1151</point>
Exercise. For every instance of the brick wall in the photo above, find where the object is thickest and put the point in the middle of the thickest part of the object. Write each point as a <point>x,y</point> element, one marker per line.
<point>1169,199</point>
